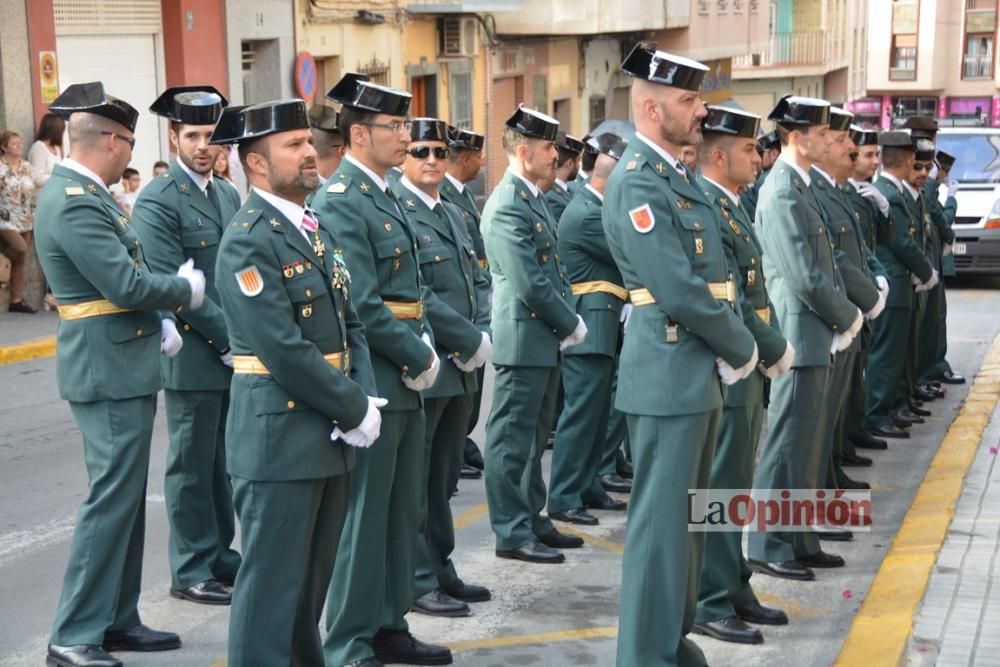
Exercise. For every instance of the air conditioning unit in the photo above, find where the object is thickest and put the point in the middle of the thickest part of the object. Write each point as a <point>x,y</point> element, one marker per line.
<point>458,37</point>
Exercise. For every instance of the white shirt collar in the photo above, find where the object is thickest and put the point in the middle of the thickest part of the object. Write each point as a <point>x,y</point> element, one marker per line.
<point>595,192</point>
<point>726,191</point>
<point>73,165</point>
<point>289,209</point>
<point>664,154</point>
<point>562,184</point>
<point>913,191</point>
<point>199,180</point>
<point>459,185</point>
<point>379,181</point>
<point>892,179</point>
<point>531,186</point>
<point>853,181</point>
<point>825,175</point>
<point>424,197</point>
<point>801,172</point>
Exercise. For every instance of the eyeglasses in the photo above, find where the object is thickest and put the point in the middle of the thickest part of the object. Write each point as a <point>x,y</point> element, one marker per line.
<point>921,166</point>
<point>421,152</point>
<point>396,126</point>
<point>128,140</point>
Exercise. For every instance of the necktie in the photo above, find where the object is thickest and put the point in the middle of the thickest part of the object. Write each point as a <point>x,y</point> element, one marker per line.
<point>213,197</point>
<point>681,170</point>
<point>309,223</point>
<point>311,226</point>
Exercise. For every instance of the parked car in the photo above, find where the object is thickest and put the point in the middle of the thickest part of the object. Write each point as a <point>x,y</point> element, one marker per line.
<point>977,222</point>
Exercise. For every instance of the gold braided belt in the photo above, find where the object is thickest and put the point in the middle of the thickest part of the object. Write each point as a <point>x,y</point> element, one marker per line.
<point>722,291</point>
<point>406,310</point>
<point>764,314</point>
<point>85,309</point>
<point>603,286</point>
<point>249,364</point>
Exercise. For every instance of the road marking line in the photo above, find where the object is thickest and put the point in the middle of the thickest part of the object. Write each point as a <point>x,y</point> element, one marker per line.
<point>881,628</point>
<point>32,349</point>
<point>605,632</point>
<point>471,515</point>
<point>593,540</point>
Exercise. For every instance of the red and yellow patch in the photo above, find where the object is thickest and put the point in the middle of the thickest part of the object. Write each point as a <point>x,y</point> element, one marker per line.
<point>250,281</point>
<point>642,219</point>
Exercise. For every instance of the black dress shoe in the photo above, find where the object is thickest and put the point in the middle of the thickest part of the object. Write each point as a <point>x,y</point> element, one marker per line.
<point>902,422</point>
<point>472,456</point>
<point>439,603</point>
<point>81,655</point>
<point>608,504</point>
<point>889,431</point>
<point>937,391</point>
<point>532,552</point>
<point>821,559</point>
<point>557,540</point>
<point>788,569</point>
<point>400,646</point>
<point>140,638</point>
<point>951,377</point>
<point>21,307</point>
<point>460,590</point>
<point>865,440</point>
<point>615,483</point>
<point>729,629</point>
<point>210,591</point>
<point>468,472</point>
<point>580,516</point>
<point>757,613</point>
<point>854,461</point>
<point>912,417</point>
<point>919,411</point>
<point>845,482</point>
<point>626,470</point>
<point>833,535</point>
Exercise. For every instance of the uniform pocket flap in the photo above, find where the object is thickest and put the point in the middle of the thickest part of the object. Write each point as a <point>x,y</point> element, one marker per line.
<point>199,238</point>
<point>691,223</point>
<point>270,398</point>
<point>130,326</point>
<point>391,247</point>
<point>433,255</point>
<point>305,287</point>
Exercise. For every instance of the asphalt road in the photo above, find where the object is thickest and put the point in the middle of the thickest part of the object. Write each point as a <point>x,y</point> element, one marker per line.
<point>539,615</point>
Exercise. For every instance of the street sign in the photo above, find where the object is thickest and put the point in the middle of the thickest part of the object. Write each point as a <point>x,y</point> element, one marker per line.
<point>48,75</point>
<point>305,76</point>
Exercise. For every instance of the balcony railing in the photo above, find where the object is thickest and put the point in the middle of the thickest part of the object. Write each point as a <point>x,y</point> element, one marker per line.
<point>978,68</point>
<point>980,4</point>
<point>789,50</point>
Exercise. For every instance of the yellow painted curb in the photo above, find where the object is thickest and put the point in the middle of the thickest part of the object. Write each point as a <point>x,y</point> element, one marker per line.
<point>541,638</point>
<point>881,628</point>
<point>32,349</point>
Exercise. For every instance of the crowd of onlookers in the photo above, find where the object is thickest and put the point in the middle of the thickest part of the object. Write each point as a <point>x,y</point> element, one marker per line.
<point>22,179</point>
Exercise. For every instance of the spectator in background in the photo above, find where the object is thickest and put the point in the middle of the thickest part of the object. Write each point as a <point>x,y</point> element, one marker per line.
<point>47,150</point>
<point>221,167</point>
<point>160,167</point>
<point>689,156</point>
<point>130,189</point>
<point>17,208</point>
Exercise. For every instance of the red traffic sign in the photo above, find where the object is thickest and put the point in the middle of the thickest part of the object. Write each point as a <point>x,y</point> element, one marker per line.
<point>305,76</point>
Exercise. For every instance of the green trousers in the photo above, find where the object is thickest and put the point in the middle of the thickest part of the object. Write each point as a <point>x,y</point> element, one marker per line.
<point>290,532</point>
<point>581,437</point>
<point>836,400</point>
<point>792,457</point>
<point>855,420</point>
<point>941,365</point>
<point>929,350</point>
<point>662,560</point>
<point>518,427</point>
<point>103,576</point>
<point>197,489</point>
<point>909,381</point>
<point>725,574</point>
<point>372,585</point>
<point>471,453</point>
<point>886,366</point>
<point>617,439</point>
<point>447,420</point>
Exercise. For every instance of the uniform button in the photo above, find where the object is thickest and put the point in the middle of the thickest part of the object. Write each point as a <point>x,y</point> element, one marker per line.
<point>533,315</point>
<point>697,225</point>
<point>202,244</point>
<point>187,327</point>
<point>209,342</point>
<point>406,369</point>
<point>291,404</point>
<point>309,292</point>
<point>437,258</point>
<point>138,332</point>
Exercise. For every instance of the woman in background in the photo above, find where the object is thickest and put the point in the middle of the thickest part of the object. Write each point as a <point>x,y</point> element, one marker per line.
<point>17,207</point>
<point>45,153</point>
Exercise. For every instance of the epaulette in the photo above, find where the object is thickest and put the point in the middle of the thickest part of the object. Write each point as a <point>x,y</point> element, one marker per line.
<point>634,161</point>
<point>161,182</point>
<point>75,188</point>
<point>245,219</point>
<point>339,185</point>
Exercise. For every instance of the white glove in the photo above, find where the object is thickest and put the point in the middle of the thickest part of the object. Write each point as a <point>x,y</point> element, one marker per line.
<point>226,358</point>
<point>859,320</point>
<point>840,342</point>
<point>877,308</point>
<point>952,187</point>
<point>783,365</point>
<point>480,358</point>
<point>368,431</point>
<point>883,284</point>
<point>196,279</point>
<point>871,193</point>
<point>930,284</point>
<point>575,338</point>
<point>170,341</point>
<point>730,375</point>
<point>626,315</point>
<point>946,250</point>
<point>426,379</point>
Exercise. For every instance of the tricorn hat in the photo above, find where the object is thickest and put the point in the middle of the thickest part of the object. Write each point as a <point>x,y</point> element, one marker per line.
<point>355,90</point>
<point>428,129</point>
<point>725,120</point>
<point>647,62</point>
<point>804,111</point>
<point>91,98</point>
<point>322,117</point>
<point>533,124</point>
<point>260,120</point>
<point>190,105</point>
<point>459,139</point>
<point>840,119</point>
<point>612,145</point>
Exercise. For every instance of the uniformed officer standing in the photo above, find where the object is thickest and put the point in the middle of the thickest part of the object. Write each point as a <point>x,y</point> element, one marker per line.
<point>944,162</point>
<point>906,264</point>
<point>567,167</point>
<point>587,368</point>
<point>769,148</point>
<point>816,317</point>
<point>465,159</point>
<point>108,369</point>
<point>683,336</point>
<point>327,139</point>
<point>532,322</point>
<point>372,585</point>
<point>460,316</point>
<point>302,393</point>
<point>729,160</point>
<point>180,215</point>
<point>588,157</point>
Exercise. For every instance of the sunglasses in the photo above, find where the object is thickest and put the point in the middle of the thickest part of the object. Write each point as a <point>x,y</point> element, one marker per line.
<point>421,152</point>
<point>921,166</point>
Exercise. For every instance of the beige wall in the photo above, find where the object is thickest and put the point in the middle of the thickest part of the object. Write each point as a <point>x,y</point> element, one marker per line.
<point>587,17</point>
<point>712,35</point>
<point>564,81</point>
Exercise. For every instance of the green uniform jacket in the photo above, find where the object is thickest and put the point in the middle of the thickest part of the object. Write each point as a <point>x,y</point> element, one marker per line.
<point>557,199</point>
<point>279,423</point>
<point>461,312</point>
<point>380,251</point>
<point>744,254</point>
<point>875,228</point>
<point>665,238</point>
<point>805,286</point>
<point>942,216</point>
<point>904,254</point>
<point>176,222</point>
<point>89,251</point>
<point>749,198</point>
<point>531,310</point>
<point>577,183</point>
<point>466,204</point>
<point>583,249</point>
